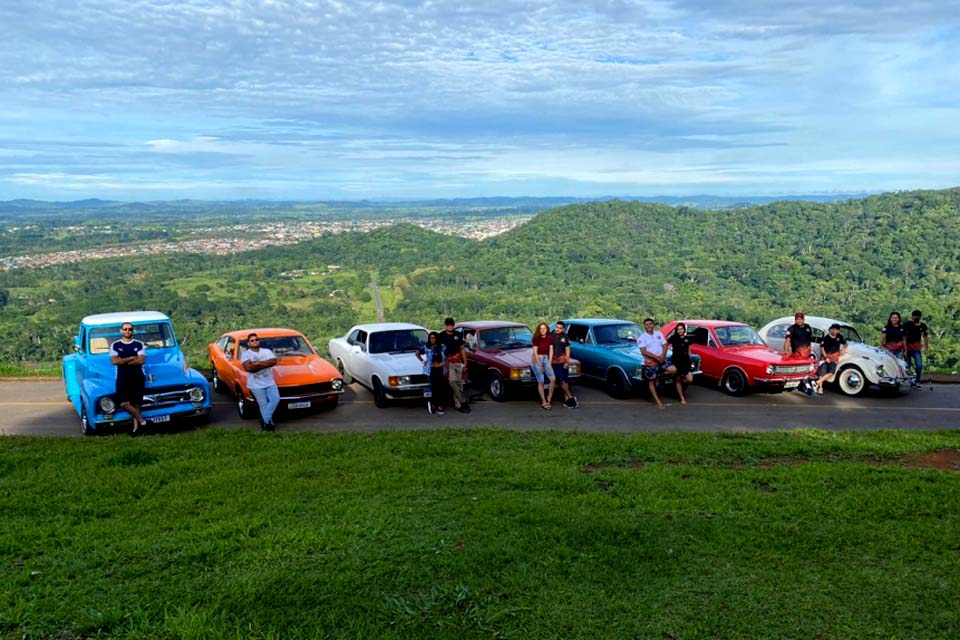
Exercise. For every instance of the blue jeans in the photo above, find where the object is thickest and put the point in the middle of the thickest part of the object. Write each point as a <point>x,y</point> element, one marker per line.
<point>915,360</point>
<point>267,400</point>
<point>543,370</point>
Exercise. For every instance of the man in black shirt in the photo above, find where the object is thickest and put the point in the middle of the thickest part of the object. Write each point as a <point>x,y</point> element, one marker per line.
<point>918,343</point>
<point>456,364</point>
<point>799,337</point>
<point>832,348</point>
<point>561,364</point>
<point>129,355</point>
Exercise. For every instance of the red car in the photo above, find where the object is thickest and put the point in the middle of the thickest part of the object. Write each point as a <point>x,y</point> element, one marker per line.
<point>734,354</point>
<point>500,356</point>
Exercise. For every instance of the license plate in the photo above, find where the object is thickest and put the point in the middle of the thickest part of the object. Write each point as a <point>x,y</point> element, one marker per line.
<point>156,419</point>
<point>299,405</point>
<point>427,393</point>
<point>792,384</point>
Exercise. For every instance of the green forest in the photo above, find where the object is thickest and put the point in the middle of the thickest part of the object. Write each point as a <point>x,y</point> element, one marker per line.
<point>856,260</point>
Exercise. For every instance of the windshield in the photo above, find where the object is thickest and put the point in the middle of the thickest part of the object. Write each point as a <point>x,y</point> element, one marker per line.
<point>283,346</point>
<point>397,341</point>
<point>850,334</point>
<point>616,333</point>
<point>154,336</point>
<point>738,336</point>
<point>506,338</point>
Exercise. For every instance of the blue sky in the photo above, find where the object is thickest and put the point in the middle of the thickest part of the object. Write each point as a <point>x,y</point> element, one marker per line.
<point>329,99</point>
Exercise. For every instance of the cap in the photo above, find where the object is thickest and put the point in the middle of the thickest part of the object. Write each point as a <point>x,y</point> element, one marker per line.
<point>834,326</point>
<point>799,314</point>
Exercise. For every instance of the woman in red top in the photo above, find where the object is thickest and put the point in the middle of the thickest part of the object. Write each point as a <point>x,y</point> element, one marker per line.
<point>892,336</point>
<point>540,359</point>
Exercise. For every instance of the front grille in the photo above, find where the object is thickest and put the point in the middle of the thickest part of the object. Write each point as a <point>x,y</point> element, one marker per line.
<point>786,371</point>
<point>307,389</point>
<point>154,398</point>
<point>419,379</point>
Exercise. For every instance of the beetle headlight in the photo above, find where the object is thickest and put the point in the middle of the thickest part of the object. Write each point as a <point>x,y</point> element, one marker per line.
<point>196,394</point>
<point>107,405</point>
<point>337,384</point>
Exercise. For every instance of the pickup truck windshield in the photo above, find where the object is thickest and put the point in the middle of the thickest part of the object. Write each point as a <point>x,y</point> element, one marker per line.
<point>155,336</point>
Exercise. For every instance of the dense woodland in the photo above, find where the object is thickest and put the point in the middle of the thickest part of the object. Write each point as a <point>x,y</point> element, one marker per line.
<point>856,260</point>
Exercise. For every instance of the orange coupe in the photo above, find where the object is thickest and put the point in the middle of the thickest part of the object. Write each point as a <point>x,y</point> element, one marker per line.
<point>304,378</point>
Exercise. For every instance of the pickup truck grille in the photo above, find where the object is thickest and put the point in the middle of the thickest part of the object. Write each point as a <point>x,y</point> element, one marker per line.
<point>154,398</point>
<point>781,370</point>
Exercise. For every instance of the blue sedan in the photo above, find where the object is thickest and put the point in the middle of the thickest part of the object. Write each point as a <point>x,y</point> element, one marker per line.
<point>607,351</point>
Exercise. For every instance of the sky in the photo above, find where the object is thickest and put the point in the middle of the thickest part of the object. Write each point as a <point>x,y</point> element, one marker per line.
<point>331,99</point>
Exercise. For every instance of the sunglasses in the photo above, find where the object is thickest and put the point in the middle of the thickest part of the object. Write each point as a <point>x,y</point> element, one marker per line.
<point>126,329</point>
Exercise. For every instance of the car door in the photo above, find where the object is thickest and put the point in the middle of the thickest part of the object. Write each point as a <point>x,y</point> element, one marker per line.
<point>706,346</point>
<point>582,348</point>
<point>229,366</point>
<point>478,360</point>
<point>360,365</point>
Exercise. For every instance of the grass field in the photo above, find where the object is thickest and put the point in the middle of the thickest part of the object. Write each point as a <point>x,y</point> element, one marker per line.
<point>481,534</point>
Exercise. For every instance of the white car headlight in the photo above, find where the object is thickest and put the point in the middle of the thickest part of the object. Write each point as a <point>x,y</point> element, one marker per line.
<point>107,405</point>
<point>337,384</point>
<point>196,394</point>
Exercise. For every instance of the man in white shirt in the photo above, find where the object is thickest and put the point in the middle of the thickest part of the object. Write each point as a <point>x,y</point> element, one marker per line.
<point>653,346</point>
<point>258,363</point>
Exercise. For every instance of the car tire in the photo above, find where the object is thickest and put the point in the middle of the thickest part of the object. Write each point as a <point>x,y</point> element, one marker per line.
<point>495,387</point>
<point>734,382</point>
<point>379,395</point>
<point>85,427</point>
<point>215,382</point>
<point>245,408</point>
<point>617,385</point>
<point>851,381</point>
<point>347,378</point>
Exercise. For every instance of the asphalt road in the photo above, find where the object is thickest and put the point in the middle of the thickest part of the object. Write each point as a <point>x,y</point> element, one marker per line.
<point>40,408</point>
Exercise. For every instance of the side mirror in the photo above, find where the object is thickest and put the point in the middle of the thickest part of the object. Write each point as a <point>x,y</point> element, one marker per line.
<point>76,343</point>
<point>356,348</point>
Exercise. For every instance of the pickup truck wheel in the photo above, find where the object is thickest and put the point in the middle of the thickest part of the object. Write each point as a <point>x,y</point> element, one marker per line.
<point>85,428</point>
<point>734,382</point>
<point>495,387</point>
<point>617,385</point>
<point>215,381</point>
<point>343,372</point>
<point>851,381</point>
<point>245,408</point>
<point>379,395</point>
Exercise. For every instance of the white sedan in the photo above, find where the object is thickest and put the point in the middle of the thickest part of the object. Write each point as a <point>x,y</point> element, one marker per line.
<point>862,364</point>
<point>382,357</point>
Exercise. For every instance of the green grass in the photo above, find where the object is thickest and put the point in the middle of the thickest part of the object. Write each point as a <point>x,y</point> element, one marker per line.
<point>479,534</point>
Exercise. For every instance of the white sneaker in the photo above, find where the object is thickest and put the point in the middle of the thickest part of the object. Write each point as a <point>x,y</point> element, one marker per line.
<point>819,389</point>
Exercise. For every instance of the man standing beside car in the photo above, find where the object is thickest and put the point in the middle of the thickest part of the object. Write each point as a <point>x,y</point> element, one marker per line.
<point>258,363</point>
<point>799,337</point>
<point>456,364</point>
<point>129,355</point>
<point>561,364</point>
<point>918,343</point>
<point>653,346</point>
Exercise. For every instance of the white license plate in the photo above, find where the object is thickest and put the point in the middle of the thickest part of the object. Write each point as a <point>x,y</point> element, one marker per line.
<point>299,405</point>
<point>156,419</point>
<point>793,384</point>
<point>427,393</point>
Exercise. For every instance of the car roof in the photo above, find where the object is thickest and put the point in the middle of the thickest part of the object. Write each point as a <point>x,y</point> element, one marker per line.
<point>266,332</point>
<point>714,323</point>
<point>386,326</point>
<point>814,321</point>
<point>119,317</point>
<point>480,325</point>
<point>597,321</point>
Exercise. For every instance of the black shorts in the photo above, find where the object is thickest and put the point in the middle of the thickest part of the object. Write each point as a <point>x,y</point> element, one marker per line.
<point>130,389</point>
<point>827,367</point>
<point>560,372</point>
<point>682,363</point>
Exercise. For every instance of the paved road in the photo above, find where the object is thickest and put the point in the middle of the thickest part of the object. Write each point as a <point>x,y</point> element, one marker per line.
<point>39,408</point>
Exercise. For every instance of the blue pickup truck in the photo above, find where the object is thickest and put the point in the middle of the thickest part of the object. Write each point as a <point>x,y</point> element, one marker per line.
<point>173,390</point>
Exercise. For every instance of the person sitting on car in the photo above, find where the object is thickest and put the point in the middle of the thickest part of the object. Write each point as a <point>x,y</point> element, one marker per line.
<point>832,348</point>
<point>653,346</point>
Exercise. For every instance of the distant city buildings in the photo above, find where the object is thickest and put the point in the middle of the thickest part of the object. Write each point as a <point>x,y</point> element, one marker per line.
<point>229,239</point>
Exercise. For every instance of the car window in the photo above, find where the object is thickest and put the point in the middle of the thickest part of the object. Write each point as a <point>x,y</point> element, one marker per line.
<point>737,336</point>
<point>817,334</point>
<point>397,340</point>
<point>361,339</point>
<point>616,333</point>
<point>222,343</point>
<point>577,333</point>
<point>700,335</point>
<point>778,331</point>
<point>506,338</point>
<point>850,334</point>
<point>228,347</point>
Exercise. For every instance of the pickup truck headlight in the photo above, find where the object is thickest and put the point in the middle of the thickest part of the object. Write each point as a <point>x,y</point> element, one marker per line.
<point>517,374</point>
<point>196,394</point>
<point>396,381</point>
<point>107,405</point>
<point>337,384</point>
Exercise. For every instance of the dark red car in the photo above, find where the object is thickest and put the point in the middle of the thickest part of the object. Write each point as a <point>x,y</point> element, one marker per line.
<point>500,354</point>
<point>733,354</point>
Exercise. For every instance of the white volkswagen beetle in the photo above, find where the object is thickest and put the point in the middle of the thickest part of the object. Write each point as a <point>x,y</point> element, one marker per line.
<point>862,364</point>
<point>382,357</point>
